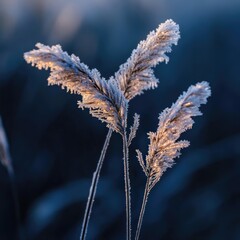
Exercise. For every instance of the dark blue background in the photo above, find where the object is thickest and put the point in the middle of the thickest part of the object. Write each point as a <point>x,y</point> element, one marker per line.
<point>55,146</point>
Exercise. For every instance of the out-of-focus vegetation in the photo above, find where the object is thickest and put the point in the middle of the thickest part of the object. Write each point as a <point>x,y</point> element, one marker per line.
<point>55,146</point>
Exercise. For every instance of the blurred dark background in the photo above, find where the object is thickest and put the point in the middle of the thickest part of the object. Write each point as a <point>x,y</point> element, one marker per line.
<point>55,146</point>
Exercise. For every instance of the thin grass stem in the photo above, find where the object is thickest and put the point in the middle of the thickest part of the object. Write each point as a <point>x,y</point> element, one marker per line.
<point>127,186</point>
<point>144,202</point>
<point>93,188</point>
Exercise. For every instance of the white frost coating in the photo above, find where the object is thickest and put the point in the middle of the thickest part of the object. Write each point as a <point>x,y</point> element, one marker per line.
<point>103,98</point>
<point>136,75</point>
<point>133,128</point>
<point>164,147</point>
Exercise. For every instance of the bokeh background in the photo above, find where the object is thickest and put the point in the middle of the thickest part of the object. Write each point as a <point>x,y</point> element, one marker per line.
<point>55,146</point>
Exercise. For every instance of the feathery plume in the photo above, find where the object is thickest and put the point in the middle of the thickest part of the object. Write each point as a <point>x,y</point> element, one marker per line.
<point>133,128</point>
<point>136,75</point>
<point>164,147</point>
<point>103,98</point>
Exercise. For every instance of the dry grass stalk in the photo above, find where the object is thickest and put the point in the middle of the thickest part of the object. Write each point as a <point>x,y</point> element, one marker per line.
<point>164,147</point>
<point>107,100</point>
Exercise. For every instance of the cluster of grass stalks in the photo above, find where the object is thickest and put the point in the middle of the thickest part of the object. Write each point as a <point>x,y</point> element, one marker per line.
<point>108,100</point>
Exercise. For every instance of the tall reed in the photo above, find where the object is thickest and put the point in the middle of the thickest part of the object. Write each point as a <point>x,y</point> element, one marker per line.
<point>164,147</point>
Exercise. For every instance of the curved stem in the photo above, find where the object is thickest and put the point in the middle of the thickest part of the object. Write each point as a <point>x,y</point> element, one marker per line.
<point>93,188</point>
<point>145,197</point>
<point>127,186</point>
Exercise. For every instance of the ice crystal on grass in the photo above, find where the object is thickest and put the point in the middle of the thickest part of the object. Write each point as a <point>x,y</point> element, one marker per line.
<point>103,98</point>
<point>136,75</point>
<point>164,147</point>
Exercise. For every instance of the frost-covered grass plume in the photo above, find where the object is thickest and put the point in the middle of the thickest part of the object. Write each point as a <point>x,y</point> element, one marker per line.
<point>108,101</point>
<point>103,98</point>
<point>136,75</point>
<point>164,147</point>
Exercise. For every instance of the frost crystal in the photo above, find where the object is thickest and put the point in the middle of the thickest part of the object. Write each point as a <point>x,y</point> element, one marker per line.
<point>103,98</point>
<point>164,147</point>
<point>136,75</point>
